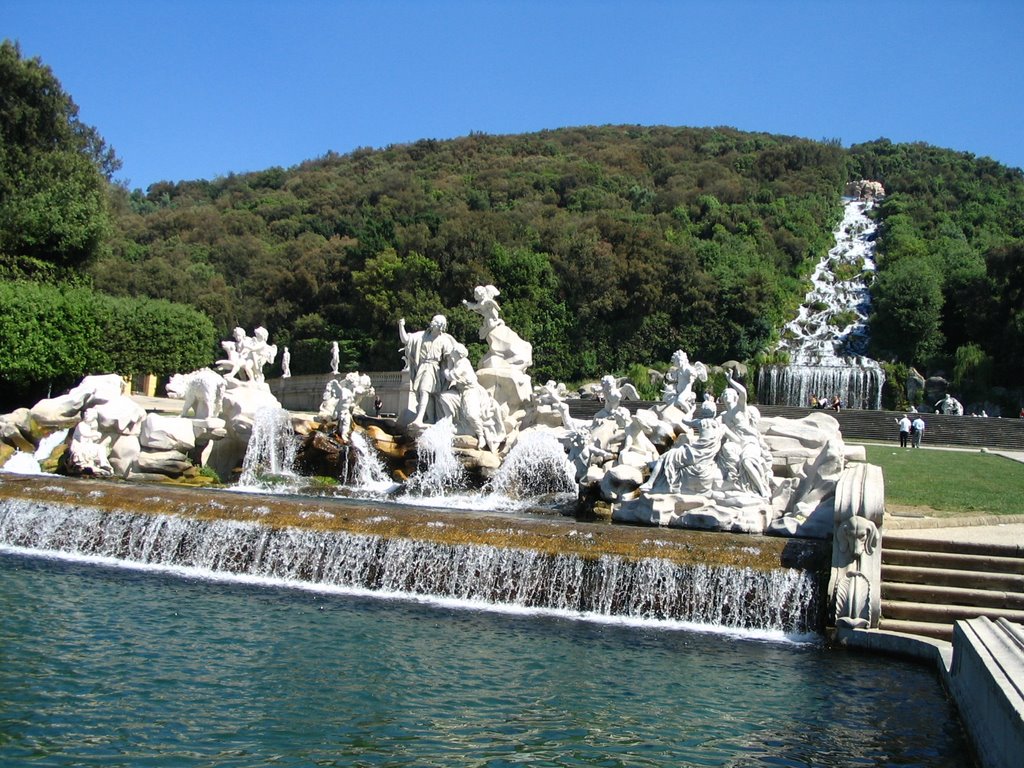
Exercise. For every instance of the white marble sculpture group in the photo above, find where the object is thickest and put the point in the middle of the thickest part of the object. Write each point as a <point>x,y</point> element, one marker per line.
<point>683,462</point>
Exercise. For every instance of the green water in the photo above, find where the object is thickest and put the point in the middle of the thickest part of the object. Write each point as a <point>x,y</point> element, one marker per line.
<point>110,667</point>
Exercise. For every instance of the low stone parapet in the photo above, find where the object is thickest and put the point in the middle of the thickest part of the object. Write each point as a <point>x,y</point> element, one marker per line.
<point>987,680</point>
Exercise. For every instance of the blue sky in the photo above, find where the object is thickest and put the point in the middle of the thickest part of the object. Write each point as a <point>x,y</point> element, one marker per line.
<point>202,88</point>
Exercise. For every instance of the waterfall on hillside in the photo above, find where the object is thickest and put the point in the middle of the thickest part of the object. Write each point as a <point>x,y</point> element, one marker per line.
<point>272,447</point>
<point>828,339</point>
<point>783,599</point>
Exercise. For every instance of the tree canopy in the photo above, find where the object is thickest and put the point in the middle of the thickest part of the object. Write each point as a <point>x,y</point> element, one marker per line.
<point>54,171</point>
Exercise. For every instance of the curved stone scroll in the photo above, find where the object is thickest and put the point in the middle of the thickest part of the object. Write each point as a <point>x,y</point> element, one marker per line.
<point>855,583</point>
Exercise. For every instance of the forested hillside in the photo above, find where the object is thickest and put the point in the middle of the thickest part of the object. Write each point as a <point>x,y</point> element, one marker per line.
<point>611,245</point>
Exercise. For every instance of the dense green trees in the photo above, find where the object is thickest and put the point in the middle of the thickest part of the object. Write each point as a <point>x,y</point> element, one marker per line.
<point>54,171</point>
<point>948,296</point>
<point>611,245</point>
<point>55,221</point>
<point>51,336</point>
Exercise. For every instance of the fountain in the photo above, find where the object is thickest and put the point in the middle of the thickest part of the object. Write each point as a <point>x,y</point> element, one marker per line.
<point>827,342</point>
<point>271,449</point>
<point>471,439</point>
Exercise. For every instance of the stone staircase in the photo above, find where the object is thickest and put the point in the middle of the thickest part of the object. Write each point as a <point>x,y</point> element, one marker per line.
<point>927,585</point>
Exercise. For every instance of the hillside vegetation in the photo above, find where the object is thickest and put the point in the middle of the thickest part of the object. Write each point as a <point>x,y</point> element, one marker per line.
<point>611,245</point>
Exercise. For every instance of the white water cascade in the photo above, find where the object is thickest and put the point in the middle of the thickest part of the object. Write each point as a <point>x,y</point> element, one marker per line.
<point>536,465</point>
<point>271,449</point>
<point>828,339</point>
<point>781,599</point>
<point>439,470</point>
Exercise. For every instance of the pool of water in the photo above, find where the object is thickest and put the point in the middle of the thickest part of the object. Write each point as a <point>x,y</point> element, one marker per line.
<point>107,666</point>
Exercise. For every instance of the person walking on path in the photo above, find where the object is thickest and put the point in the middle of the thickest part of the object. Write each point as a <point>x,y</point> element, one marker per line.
<point>918,430</point>
<point>904,425</point>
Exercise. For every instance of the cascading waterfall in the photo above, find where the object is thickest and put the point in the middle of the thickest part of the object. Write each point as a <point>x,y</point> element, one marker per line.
<point>272,447</point>
<point>827,341</point>
<point>439,470</point>
<point>24,463</point>
<point>536,465</point>
<point>784,600</point>
<point>368,470</point>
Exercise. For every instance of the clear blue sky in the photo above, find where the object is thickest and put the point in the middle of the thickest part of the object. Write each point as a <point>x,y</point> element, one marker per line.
<point>201,88</point>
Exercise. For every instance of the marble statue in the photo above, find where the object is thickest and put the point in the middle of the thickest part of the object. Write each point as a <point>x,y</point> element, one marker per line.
<point>950,406</point>
<point>202,392</point>
<point>246,356</point>
<point>745,458</point>
<point>426,352</point>
<point>335,358</point>
<point>690,465</point>
<point>342,397</point>
<point>87,453</point>
<point>679,381</point>
<point>471,407</point>
<point>286,364</point>
<point>505,347</point>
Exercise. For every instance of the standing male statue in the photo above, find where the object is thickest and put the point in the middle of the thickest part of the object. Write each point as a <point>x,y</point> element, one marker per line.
<point>425,352</point>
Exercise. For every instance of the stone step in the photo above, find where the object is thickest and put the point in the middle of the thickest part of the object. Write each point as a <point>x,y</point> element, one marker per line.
<point>947,577</point>
<point>922,628</point>
<point>952,561</point>
<point>944,614</point>
<point>922,544</point>
<point>929,593</point>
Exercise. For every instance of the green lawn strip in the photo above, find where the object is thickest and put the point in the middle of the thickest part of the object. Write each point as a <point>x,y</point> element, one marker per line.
<point>949,483</point>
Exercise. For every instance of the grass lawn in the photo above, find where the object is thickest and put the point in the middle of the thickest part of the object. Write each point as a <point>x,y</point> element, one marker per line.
<point>949,483</point>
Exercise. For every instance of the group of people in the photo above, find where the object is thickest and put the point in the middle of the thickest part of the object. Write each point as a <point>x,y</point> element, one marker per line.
<point>911,430</point>
<point>835,403</point>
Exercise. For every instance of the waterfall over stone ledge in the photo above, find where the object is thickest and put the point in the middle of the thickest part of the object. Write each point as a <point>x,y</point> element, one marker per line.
<point>827,341</point>
<point>780,599</point>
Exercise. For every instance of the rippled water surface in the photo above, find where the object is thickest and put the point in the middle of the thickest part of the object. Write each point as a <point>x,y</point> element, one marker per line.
<point>111,667</point>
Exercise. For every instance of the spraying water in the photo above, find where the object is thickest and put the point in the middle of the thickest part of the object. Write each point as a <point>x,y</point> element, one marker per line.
<point>271,449</point>
<point>439,470</point>
<point>536,465</point>
<point>24,463</point>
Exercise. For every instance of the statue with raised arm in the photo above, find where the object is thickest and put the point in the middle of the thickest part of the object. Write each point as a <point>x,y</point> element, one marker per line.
<point>745,459</point>
<point>506,348</point>
<point>679,380</point>
<point>425,354</point>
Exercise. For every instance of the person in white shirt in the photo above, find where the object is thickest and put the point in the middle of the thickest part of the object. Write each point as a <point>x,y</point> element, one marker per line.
<point>904,425</point>
<point>918,429</point>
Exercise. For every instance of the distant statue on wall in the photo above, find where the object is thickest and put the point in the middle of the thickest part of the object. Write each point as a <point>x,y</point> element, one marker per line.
<point>286,364</point>
<point>335,358</point>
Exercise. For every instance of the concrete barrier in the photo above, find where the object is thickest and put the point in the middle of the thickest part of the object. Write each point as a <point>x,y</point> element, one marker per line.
<point>986,679</point>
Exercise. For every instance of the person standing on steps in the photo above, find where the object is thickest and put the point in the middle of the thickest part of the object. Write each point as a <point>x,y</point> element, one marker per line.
<point>918,430</point>
<point>905,426</point>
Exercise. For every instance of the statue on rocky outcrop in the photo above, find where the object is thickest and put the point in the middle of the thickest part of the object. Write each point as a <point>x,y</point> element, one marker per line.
<point>341,398</point>
<point>506,348</point>
<point>679,381</point>
<point>471,407</point>
<point>426,353</point>
<point>950,406</point>
<point>246,355</point>
<point>202,392</point>
<point>87,454</point>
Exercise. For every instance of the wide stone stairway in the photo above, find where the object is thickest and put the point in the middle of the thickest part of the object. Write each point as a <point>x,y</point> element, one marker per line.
<point>928,584</point>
